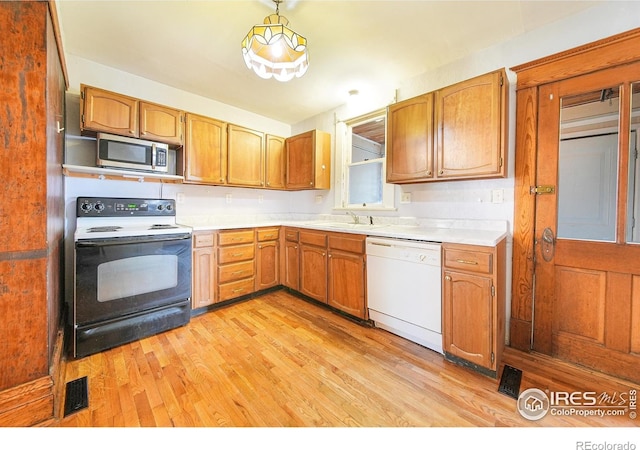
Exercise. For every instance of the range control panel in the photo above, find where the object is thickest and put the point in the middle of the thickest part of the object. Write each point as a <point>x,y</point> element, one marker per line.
<point>124,207</point>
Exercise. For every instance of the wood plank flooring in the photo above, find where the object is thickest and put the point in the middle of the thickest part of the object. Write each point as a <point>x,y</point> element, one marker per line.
<point>279,361</point>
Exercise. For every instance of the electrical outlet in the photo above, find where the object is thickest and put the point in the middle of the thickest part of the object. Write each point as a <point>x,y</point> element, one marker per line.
<point>260,198</point>
<point>405,197</point>
<point>319,199</point>
<point>179,197</point>
<point>228,198</point>
<point>497,196</point>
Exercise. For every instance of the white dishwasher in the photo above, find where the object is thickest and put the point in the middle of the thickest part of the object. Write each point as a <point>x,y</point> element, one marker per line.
<point>404,289</point>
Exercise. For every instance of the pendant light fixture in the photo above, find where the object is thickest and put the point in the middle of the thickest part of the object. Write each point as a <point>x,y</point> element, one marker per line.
<point>272,49</point>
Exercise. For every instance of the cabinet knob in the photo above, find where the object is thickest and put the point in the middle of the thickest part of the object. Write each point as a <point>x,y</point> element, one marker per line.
<point>447,278</point>
<point>441,172</point>
<point>428,172</point>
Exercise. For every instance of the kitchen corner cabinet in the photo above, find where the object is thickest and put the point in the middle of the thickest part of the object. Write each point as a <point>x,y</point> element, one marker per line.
<point>110,112</point>
<point>410,140</point>
<point>236,263</point>
<point>347,274</point>
<point>205,153</point>
<point>204,269</point>
<point>313,264</point>
<point>474,305</point>
<point>267,258</point>
<point>471,128</point>
<point>291,259</point>
<point>245,156</point>
<point>274,162</point>
<point>308,161</point>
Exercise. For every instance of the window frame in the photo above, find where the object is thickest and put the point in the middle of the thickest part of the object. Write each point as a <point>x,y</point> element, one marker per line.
<point>344,147</point>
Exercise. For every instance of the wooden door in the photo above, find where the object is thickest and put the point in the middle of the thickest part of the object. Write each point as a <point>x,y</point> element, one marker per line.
<point>313,272</point>
<point>108,112</point>
<point>205,154</point>
<point>468,319</point>
<point>347,283</point>
<point>274,162</point>
<point>245,156</point>
<point>160,123</point>
<point>470,128</point>
<point>300,159</point>
<point>587,276</point>
<point>410,140</point>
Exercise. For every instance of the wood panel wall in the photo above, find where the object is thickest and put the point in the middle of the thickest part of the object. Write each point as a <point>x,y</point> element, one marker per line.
<point>31,210</point>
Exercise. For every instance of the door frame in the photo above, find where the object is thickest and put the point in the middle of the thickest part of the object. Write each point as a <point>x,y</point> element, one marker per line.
<point>613,51</point>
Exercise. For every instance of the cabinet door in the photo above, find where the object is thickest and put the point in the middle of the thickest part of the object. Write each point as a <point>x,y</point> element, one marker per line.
<point>245,157</point>
<point>468,321</point>
<point>108,112</point>
<point>205,152</point>
<point>274,162</point>
<point>291,265</point>
<point>203,277</point>
<point>299,173</point>
<point>470,128</point>
<point>410,140</point>
<point>267,263</point>
<point>160,123</point>
<point>313,272</point>
<point>347,282</point>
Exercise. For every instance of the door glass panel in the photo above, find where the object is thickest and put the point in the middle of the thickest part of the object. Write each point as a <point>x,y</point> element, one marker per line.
<point>588,166</point>
<point>633,205</point>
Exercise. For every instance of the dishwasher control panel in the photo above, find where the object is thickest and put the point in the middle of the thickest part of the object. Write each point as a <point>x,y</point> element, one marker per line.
<point>404,250</point>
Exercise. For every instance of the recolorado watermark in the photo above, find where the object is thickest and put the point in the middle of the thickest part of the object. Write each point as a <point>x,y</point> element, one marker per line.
<point>534,404</point>
<point>590,445</point>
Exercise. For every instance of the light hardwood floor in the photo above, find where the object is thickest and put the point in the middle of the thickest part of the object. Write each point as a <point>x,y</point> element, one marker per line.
<point>279,361</point>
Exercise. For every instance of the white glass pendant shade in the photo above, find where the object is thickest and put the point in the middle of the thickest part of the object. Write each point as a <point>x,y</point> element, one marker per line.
<point>274,50</point>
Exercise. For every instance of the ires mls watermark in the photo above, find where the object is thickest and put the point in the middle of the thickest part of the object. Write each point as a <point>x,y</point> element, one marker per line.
<point>534,404</point>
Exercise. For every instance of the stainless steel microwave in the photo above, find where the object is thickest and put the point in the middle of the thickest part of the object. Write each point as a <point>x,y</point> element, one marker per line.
<point>127,153</point>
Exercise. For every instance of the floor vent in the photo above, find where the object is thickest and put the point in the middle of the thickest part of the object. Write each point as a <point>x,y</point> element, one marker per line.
<point>510,381</point>
<point>76,396</point>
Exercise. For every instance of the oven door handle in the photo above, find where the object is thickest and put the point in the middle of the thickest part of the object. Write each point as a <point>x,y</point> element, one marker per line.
<point>131,240</point>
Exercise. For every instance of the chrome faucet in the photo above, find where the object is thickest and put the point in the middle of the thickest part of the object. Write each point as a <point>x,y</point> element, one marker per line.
<point>356,219</point>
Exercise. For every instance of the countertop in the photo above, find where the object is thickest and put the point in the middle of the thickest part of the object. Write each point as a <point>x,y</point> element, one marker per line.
<point>470,232</point>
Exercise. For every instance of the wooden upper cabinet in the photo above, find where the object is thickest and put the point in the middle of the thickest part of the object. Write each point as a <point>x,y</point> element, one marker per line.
<point>410,140</point>
<point>471,128</point>
<point>161,123</point>
<point>205,152</point>
<point>308,161</point>
<point>245,157</point>
<point>108,112</point>
<point>274,162</point>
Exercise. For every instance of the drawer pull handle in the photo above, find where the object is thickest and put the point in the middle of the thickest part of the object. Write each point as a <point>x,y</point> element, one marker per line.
<point>237,254</point>
<point>235,291</point>
<point>239,272</point>
<point>465,261</point>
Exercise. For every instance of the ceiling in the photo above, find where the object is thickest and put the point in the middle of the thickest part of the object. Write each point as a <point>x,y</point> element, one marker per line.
<point>370,46</point>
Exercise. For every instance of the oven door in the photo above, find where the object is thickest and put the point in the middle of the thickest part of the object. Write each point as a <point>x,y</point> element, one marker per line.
<point>115,277</point>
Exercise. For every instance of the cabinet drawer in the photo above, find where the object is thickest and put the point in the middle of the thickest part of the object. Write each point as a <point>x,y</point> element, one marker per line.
<point>348,243</point>
<point>236,271</point>
<point>235,237</point>
<point>235,289</point>
<point>468,260</point>
<point>236,253</point>
<point>268,234</point>
<point>203,240</point>
<point>318,239</point>
<point>291,235</point>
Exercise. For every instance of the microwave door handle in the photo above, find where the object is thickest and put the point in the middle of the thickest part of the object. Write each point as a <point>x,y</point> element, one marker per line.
<point>154,156</point>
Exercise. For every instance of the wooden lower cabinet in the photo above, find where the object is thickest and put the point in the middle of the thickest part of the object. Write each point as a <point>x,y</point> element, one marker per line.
<point>236,263</point>
<point>267,258</point>
<point>347,274</point>
<point>313,264</point>
<point>203,269</point>
<point>291,259</point>
<point>474,305</point>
